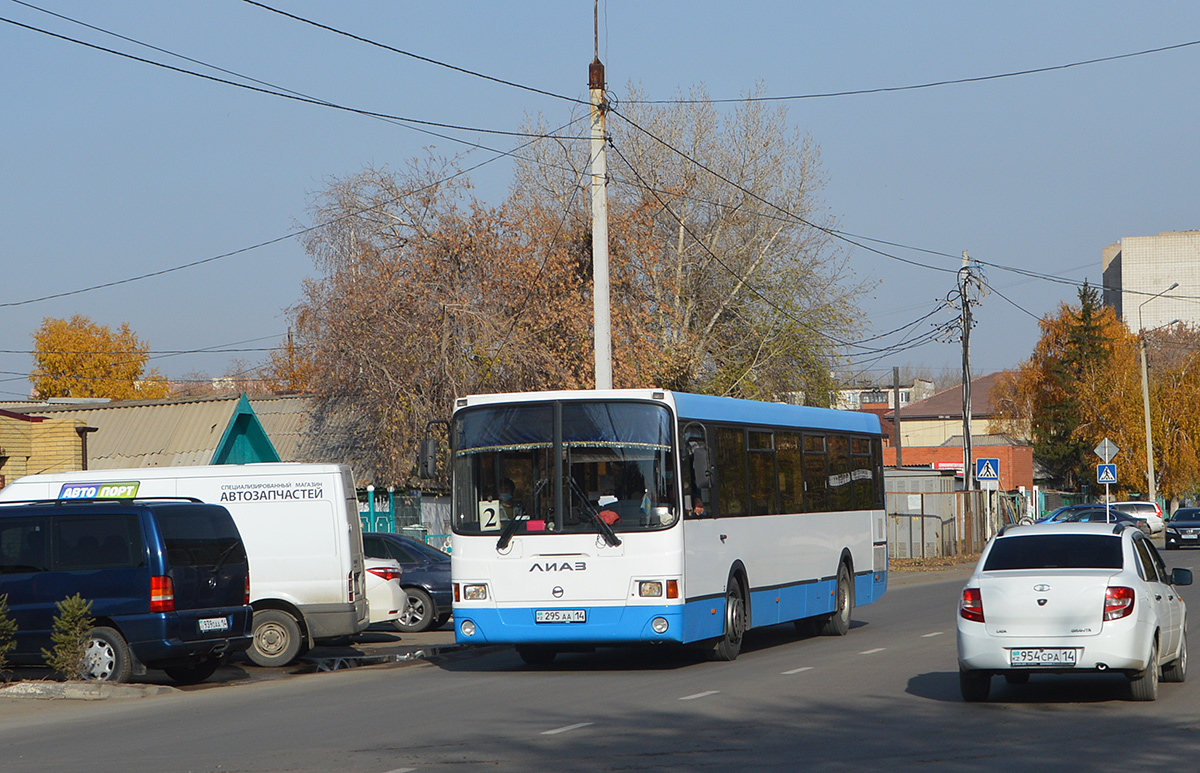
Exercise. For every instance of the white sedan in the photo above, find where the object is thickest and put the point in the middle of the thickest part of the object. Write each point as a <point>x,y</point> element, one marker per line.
<point>1061,598</point>
<point>386,599</point>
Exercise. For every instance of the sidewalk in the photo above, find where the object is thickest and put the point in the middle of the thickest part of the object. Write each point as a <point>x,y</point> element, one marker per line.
<point>377,646</point>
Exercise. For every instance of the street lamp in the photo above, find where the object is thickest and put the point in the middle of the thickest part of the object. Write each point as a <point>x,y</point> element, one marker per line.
<point>1152,488</point>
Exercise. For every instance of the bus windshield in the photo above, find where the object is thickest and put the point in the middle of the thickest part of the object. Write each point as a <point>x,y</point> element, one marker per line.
<point>616,461</point>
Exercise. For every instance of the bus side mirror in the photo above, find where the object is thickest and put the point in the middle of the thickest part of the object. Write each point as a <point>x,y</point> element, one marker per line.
<point>700,469</point>
<point>427,465</point>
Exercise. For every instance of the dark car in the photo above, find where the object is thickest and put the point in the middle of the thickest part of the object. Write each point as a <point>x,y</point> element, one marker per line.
<point>1183,530</point>
<point>168,582</point>
<point>426,578</point>
<point>1095,514</point>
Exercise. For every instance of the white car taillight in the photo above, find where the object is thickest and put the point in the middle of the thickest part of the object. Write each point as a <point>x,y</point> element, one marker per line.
<point>971,606</point>
<point>1118,603</point>
<point>386,572</point>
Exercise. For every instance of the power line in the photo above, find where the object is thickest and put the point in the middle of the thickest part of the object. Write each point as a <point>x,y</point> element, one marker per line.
<point>928,85</point>
<point>285,237</point>
<point>803,221</point>
<point>275,93</point>
<point>418,57</point>
<point>750,287</point>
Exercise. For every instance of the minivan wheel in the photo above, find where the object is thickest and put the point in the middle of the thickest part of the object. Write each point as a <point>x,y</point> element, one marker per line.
<point>193,674</point>
<point>106,657</point>
<point>276,639</point>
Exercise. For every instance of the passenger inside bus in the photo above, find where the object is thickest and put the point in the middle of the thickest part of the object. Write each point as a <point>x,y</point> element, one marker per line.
<point>510,507</point>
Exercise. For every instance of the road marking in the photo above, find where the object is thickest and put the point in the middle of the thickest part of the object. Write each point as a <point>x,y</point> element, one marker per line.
<point>931,635</point>
<point>872,652</point>
<point>797,670</point>
<point>568,728</point>
<point>699,695</point>
<point>402,770</point>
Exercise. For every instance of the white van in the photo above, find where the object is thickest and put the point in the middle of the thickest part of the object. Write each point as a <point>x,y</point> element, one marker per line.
<point>300,526</point>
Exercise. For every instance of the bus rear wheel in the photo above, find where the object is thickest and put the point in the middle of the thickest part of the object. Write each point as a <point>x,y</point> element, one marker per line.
<point>730,644</point>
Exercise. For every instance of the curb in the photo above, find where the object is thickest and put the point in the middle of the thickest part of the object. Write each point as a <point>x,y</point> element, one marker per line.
<point>82,691</point>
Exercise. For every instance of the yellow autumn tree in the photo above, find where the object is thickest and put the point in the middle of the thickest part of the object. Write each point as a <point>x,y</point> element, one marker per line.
<point>79,358</point>
<point>1083,384</point>
<point>289,370</point>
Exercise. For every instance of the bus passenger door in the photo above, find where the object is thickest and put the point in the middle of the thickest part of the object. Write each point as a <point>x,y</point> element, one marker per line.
<point>706,547</point>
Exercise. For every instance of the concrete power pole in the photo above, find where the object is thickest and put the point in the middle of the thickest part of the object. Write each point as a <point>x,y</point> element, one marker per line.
<point>600,301</point>
<point>896,415</point>
<point>964,289</point>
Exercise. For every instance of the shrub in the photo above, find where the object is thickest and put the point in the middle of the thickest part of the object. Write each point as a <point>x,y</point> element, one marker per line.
<point>72,625</point>
<point>8,632</point>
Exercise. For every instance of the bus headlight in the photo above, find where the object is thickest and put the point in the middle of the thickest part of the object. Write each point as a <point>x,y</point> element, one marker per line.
<point>659,624</point>
<point>474,592</point>
<point>650,589</point>
<point>467,628</point>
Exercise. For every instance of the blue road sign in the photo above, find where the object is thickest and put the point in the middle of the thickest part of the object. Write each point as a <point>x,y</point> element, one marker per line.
<point>1106,473</point>
<point>987,469</point>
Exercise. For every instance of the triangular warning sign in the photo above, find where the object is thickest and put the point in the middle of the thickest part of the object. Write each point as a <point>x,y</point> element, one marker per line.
<point>1108,474</point>
<point>987,471</point>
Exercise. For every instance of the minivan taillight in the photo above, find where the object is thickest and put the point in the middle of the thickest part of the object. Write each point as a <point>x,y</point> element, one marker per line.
<point>350,587</point>
<point>162,594</point>
<point>971,606</point>
<point>246,598</point>
<point>1118,603</point>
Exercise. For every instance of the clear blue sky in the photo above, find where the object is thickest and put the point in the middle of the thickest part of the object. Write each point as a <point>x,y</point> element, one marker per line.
<point>115,168</point>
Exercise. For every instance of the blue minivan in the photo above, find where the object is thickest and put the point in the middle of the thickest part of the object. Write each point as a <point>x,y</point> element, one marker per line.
<point>168,581</point>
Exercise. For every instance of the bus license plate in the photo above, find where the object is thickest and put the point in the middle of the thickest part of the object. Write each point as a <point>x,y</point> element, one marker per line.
<point>1043,656</point>
<point>209,624</point>
<point>560,616</point>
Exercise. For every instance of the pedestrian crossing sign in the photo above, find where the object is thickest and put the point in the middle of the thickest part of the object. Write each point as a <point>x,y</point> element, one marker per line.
<point>1106,473</point>
<point>987,469</point>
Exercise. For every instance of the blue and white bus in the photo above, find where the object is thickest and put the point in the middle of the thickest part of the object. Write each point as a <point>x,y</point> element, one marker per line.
<point>587,518</point>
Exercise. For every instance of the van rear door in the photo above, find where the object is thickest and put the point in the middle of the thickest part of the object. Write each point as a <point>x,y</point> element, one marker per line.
<point>204,556</point>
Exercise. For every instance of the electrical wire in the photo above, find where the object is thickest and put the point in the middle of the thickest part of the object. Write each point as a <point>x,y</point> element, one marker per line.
<point>285,237</point>
<point>418,57</point>
<point>803,221</point>
<point>749,286</point>
<point>928,85</point>
<point>275,93</point>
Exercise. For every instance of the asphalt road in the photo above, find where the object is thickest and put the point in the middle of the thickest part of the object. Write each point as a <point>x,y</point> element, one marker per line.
<point>883,697</point>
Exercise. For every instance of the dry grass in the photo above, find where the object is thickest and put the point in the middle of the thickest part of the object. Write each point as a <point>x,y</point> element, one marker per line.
<point>931,564</point>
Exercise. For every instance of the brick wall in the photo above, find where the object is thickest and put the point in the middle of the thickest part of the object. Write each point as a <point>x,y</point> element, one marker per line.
<point>1016,462</point>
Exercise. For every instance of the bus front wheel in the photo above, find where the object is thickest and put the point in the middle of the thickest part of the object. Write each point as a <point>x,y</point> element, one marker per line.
<point>730,644</point>
<point>534,655</point>
<point>838,623</point>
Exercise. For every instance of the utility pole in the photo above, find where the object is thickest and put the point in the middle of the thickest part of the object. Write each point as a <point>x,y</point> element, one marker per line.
<point>602,323</point>
<point>896,414</point>
<point>964,290</point>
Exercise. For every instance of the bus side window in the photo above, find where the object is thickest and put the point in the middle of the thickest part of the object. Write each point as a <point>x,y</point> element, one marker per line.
<point>697,472</point>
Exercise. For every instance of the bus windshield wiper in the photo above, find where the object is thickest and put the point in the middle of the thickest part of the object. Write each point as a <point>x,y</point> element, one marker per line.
<point>592,514</point>
<point>605,530</point>
<point>506,534</point>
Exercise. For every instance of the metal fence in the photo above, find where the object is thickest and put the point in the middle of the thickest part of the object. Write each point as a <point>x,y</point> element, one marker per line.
<point>943,523</point>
